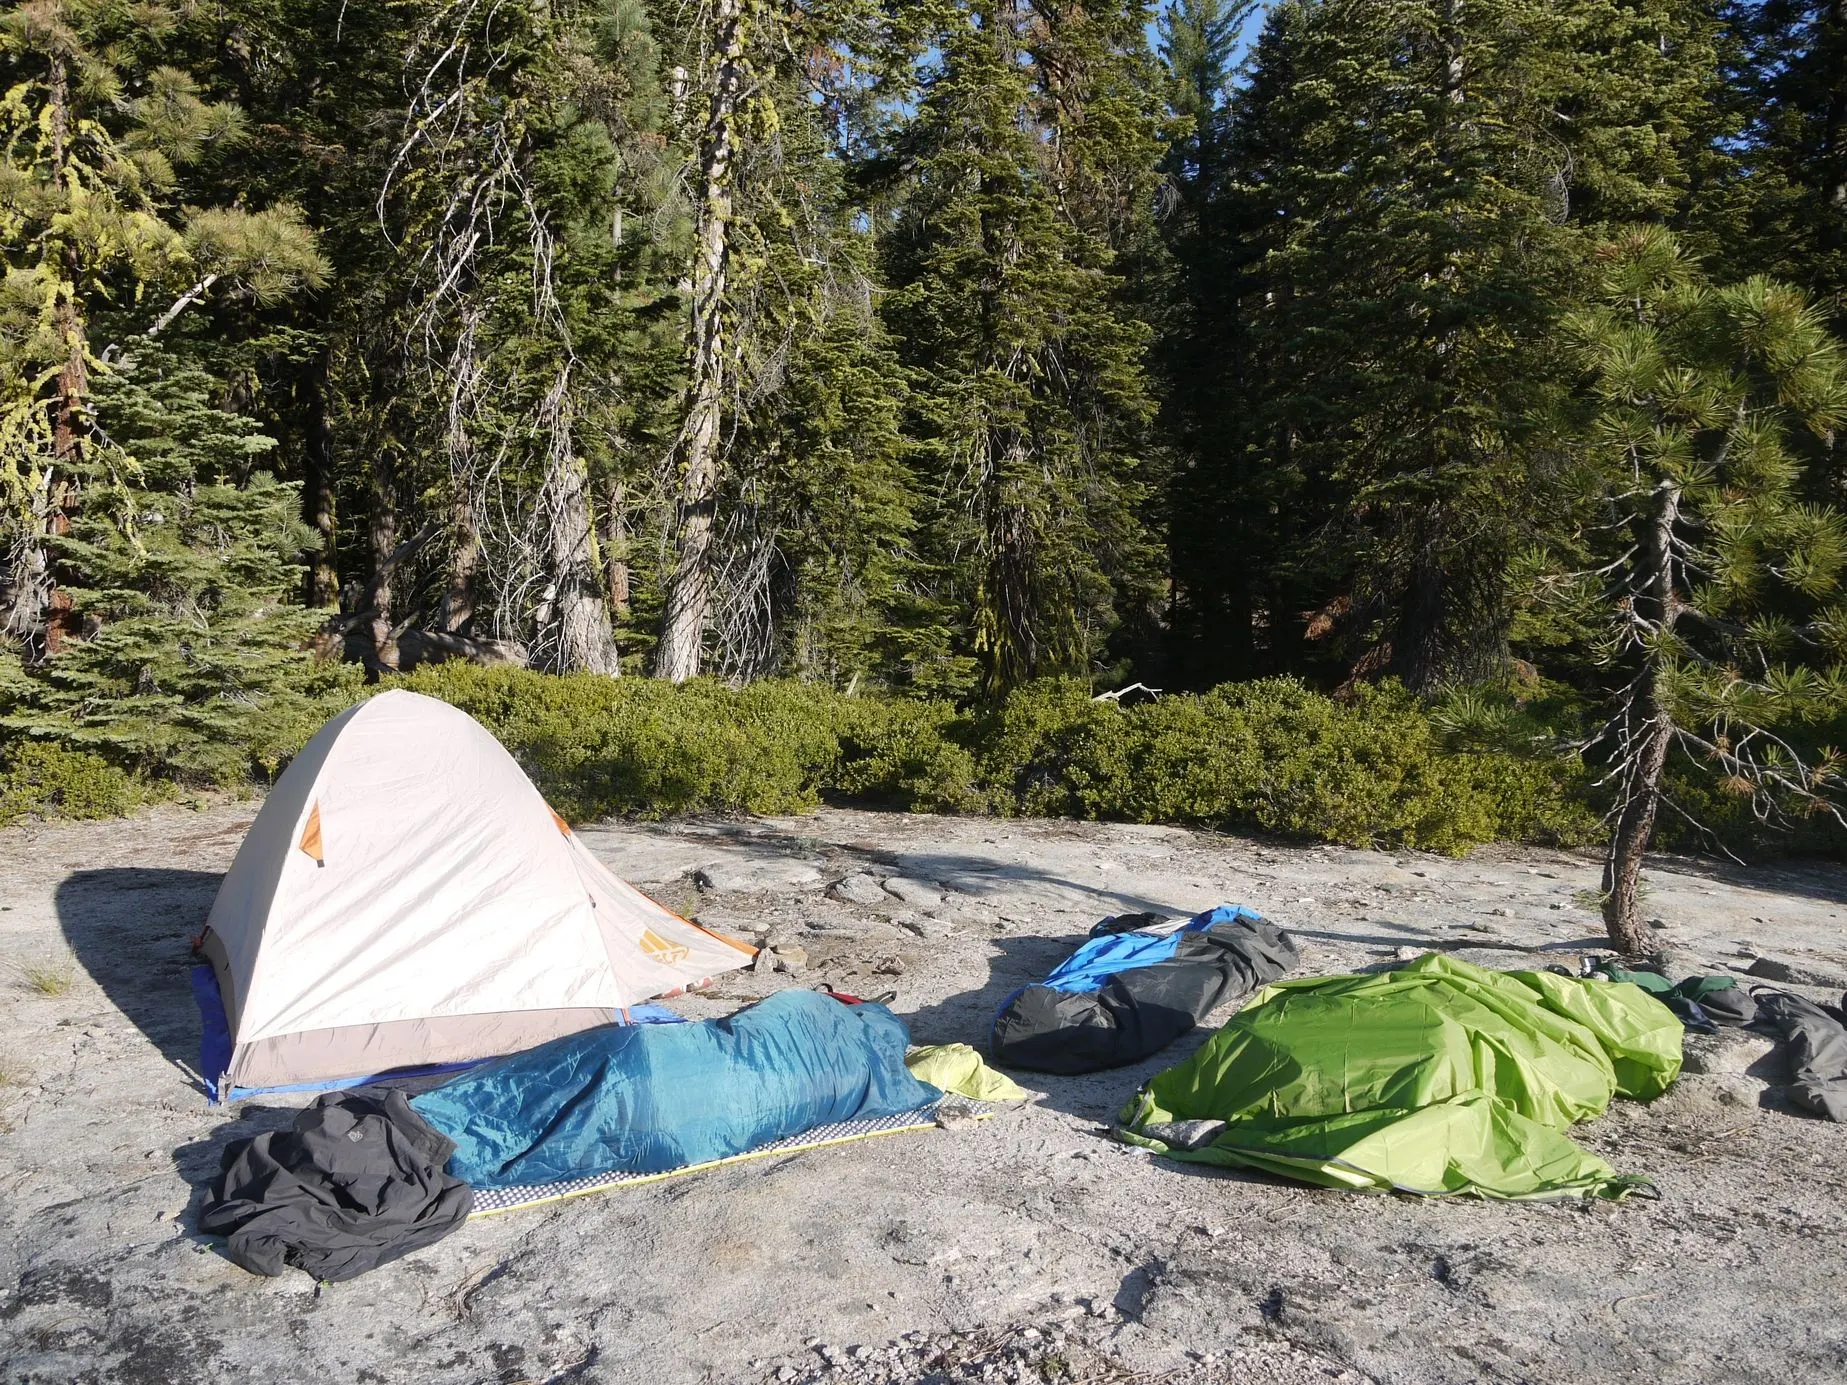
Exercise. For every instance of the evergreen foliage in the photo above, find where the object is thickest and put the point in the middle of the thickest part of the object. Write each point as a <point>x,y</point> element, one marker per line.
<point>1708,591</point>
<point>1790,85</point>
<point>182,566</point>
<point>1272,756</point>
<point>1028,391</point>
<point>950,358</point>
<point>1408,182</point>
<point>99,236</point>
<point>48,781</point>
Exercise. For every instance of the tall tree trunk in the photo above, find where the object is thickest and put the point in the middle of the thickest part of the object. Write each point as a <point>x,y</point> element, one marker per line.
<point>1649,732</point>
<point>1238,659</point>
<point>586,640</point>
<point>1006,616</point>
<point>46,617</point>
<point>615,547</point>
<point>689,587</point>
<point>26,586</point>
<point>458,603</point>
<point>1452,51</point>
<point>1013,633</point>
<point>317,492</point>
<point>73,375</point>
<point>382,545</point>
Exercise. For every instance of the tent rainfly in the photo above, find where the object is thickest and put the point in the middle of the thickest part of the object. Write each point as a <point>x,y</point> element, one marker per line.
<point>406,898</point>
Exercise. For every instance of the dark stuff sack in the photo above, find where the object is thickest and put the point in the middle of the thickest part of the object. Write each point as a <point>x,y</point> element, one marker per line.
<point>1127,994</point>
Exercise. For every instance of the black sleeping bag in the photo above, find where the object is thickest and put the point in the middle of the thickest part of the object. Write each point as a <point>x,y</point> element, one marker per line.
<point>1129,992</point>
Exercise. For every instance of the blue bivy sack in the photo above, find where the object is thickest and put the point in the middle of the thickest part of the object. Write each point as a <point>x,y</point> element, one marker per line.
<point>653,1098</point>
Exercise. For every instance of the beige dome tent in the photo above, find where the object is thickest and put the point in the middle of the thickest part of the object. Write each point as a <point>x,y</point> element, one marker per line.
<point>406,898</point>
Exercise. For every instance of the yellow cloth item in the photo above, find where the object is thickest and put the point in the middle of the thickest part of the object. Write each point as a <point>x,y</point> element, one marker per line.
<point>958,1068</point>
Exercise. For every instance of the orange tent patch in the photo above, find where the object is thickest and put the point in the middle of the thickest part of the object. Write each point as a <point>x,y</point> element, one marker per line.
<point>662,951</point>
<point>311,836</point>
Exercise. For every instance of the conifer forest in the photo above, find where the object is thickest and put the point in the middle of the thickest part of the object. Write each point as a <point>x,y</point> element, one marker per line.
<point>1487,352</point>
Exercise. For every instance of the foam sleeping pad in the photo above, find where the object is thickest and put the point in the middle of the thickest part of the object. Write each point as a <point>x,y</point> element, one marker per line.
<point>653,1098</point>
<point>1125,995</point>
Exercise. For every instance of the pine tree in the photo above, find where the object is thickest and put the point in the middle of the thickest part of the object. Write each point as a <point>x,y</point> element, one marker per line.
<point>182,568</point>
<point>1709,590</point>
<point>732,114</point>
<point>1795,82</point>
<point>1411,182</point>
<point>1401,315</point>
<point>1028,388</point>
<point>1787,214</point>
<point>1218,517</point>
<point>816,509</point>
<point>322,89</point>
<point>1198,42</point>
<point>153,564</point>
<point>499,333</point>
<point>99,131</point>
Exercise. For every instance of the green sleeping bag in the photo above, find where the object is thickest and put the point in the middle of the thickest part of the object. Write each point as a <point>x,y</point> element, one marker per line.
<point>1438,1078</point>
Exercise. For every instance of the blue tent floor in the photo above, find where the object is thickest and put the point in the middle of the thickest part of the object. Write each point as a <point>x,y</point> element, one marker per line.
<point>492,1201</point>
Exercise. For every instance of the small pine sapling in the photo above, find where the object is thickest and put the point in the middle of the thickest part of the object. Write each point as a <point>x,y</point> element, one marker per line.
<point>1708,585</point>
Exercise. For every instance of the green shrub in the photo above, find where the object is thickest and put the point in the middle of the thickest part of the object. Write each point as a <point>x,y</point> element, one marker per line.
<point>1275,756</point>
<point>908,754</point>
<point>1271,756</point>
<point>40,779</point>
<point>597,746</point>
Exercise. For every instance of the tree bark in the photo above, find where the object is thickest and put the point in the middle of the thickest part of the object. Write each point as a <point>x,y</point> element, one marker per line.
<point>322,582</point>
<point>74,374</point>
<point>27,586</point>
<point>1012,576</point>
<point>42,611</point>
<point>382,543</point>
<point>458,603</point>
<point>586,640</point>
<point>1452,54</point>
<point>615,547</point>
<point>689,587</point>
<point>1650,735</point>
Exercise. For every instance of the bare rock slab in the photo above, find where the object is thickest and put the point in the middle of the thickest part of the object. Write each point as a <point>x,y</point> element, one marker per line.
<point>1733,1052</point>
<point>105,1147</point>
<point>1795,972</point>
<point>920,894</point>
<point>861,889</point>
<point>642,859</point>
<point>929,927</point>
<point>756,875</point>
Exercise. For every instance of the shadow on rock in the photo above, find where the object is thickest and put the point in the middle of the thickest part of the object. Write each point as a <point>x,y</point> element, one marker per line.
<point>975,876</point>
<point>1820,880</point>
<point>1132,1294</point>
<point>131,928</point>
<point>968,1016</point>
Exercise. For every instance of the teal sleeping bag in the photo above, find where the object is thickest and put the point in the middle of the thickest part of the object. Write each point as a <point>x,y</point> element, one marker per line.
<point>656,1097</point>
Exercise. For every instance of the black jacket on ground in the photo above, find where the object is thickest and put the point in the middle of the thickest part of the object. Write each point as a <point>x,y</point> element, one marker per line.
<point>357,1183</point>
